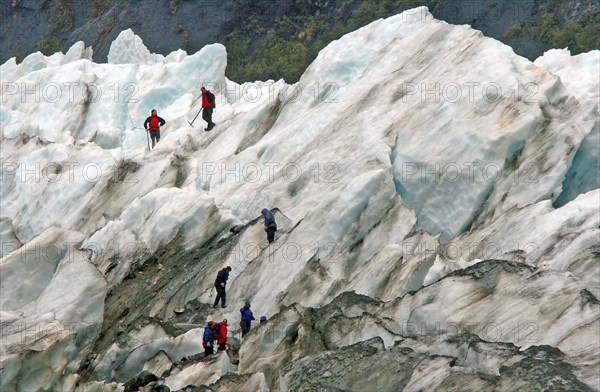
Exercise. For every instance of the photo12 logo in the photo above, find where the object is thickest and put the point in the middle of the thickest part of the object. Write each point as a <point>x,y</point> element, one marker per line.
<point>453,172</point>
<point>254,172</point>
<point>465,10</point>
<point>67,252</point>
<point>67,92</point>
<point>517,332</point>
<point>287,252</point>
<point>63,171</point>
<point>253,92</point>
<point>24,333</point>
<point>468,251</point>
<point>453,92</point>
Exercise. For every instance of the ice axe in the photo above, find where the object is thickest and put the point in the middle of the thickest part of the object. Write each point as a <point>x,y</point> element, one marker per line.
<point>192,123</point>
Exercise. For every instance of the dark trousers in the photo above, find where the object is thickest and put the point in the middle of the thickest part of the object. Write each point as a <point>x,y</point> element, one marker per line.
<point>245,324</point>
<point>271,234</point>
<point>207,115</point>
<point>208,350</point>
<point>221,295</point>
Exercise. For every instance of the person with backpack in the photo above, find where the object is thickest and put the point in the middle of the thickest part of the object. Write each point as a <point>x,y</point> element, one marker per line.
<point>270,224</point>
<point>152,125</point>
<point>208,105</point>
<point>247,318</point>
<point>220,283</point>
<point>208,340</point>
<point>220,333</point>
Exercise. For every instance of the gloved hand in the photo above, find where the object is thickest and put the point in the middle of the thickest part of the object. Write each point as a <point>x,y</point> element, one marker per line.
<point>222,284</point>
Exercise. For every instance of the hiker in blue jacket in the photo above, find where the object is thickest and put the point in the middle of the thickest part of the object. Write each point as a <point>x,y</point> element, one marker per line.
<point>220,283</point>
<point>270,225</point>
<point>247,318</point>
<point>208,340</point>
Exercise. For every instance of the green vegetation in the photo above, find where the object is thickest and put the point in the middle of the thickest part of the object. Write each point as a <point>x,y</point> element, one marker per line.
<point>61,16</point>
<point>178,28</point>
<point>175,4</point>
<point>272,39</point>
<point>580,36</point>
<point>563,24</point>
<point>292,42</point>
<point>50,45</point>
<point>15,50</point>
<point>99,7</point>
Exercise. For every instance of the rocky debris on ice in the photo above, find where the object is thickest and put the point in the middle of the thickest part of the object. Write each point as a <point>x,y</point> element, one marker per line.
<point>158,364</point>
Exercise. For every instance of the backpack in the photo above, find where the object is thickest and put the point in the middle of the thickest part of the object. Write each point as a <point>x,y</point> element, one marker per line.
<point>208,335</point>
<point>211,99</point>
<point>154,126</point>
<point>216,330</point>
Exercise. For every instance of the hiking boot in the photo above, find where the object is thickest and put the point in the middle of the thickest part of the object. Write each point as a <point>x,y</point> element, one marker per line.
<point>211,126</point>
<point>223,306</point>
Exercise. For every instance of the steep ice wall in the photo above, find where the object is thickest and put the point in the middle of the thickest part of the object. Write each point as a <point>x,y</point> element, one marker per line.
<point>408,151</point>
<point>580,74</point>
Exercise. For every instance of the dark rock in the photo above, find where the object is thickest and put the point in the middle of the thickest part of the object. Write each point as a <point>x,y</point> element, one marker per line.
<point>191,25</point>
<point>179,310</point>
<point>141,380</point>
<point>233,350</point>
<point>362,366</point>
<point>194,388</point>
<point>157,386</point>
<point>232,382</point>
<point>537,374</point>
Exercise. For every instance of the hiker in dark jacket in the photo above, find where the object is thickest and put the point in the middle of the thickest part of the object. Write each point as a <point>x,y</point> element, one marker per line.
<point>220,283</point>
<point>247,318</point>
<point>152,125</point>
<point>208,340</point>
<point>270,225</point>
<point>208,105</point>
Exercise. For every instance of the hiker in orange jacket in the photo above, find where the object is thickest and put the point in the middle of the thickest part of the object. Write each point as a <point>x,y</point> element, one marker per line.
<point>208,105</point>
<point>222,338</point>
<point>152,125</point>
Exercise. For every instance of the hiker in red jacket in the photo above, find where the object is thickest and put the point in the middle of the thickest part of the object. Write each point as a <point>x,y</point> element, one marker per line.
<point>152,125</point>
<point>208,105</point>
<point>222,337</point>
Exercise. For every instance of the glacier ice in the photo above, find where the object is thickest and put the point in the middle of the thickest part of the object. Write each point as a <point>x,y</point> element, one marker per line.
<point>450,184</point>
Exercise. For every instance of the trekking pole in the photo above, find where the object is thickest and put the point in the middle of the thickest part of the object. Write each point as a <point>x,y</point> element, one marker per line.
<point>133,127</point>
<point>192,123</point>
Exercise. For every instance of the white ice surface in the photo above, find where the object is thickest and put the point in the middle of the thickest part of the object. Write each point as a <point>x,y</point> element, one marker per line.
<point>365,161</point>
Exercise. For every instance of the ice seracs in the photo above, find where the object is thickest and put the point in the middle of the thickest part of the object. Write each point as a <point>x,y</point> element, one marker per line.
<point>428,169</point>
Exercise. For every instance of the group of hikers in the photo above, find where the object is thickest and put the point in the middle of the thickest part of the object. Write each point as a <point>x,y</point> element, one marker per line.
<point>154,122</point>
<point>217,331</point>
